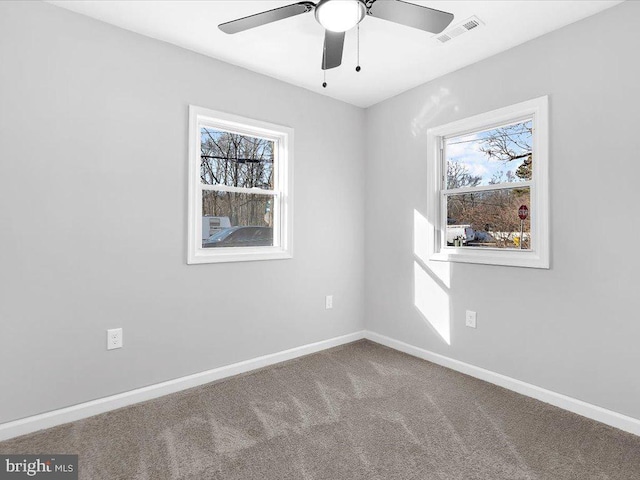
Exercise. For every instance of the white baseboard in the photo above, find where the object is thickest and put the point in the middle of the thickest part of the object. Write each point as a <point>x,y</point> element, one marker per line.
<point>608,417</point>
<point>87,409</point>
<point>83,410</point>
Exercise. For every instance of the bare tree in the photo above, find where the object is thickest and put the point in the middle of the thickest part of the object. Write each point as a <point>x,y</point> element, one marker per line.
<point>458,176</point>
<point>508,143</point>
<point>494,211</point>
<point>239,161</point>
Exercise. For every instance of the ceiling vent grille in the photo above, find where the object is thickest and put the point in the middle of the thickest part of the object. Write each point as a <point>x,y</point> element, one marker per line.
<point>463,27</point>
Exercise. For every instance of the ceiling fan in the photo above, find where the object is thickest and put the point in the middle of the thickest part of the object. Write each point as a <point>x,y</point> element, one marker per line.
<point>338,16</point>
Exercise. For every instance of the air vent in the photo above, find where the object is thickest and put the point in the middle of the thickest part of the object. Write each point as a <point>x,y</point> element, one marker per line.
<point>456,31</point>
<point>471,24</point>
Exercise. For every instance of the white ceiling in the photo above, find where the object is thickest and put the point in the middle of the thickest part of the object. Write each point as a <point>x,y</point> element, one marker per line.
<point>394,58</point>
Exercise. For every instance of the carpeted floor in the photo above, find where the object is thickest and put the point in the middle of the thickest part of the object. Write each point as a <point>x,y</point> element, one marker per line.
<point>361,411</point>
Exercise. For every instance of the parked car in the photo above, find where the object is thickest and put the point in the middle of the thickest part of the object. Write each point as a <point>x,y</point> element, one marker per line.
<point>463,232</point>
<point>240,237</point>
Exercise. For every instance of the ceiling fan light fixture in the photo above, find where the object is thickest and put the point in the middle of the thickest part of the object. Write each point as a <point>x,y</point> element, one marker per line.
<point>340,15</point>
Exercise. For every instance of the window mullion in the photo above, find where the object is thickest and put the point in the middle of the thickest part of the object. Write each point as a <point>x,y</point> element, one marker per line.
<point>228,188</point>
<point>487,188</point>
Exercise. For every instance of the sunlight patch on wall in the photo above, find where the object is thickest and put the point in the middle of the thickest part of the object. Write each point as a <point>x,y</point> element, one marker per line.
<point>436,104</point>
<point>432,301</point>
<point>422,228</point>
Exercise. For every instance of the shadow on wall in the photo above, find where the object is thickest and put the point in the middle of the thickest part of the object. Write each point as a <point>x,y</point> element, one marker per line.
<point>431,281</point>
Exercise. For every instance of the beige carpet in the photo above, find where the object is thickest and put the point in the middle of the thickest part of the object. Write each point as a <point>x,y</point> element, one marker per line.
<point>361,411</point>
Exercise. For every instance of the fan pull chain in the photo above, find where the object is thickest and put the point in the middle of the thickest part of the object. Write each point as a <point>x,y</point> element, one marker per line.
<point>358,49</point>
<point>324,65</point>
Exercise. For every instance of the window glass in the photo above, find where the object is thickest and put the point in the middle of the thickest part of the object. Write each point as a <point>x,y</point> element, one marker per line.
<point>241,237</point>
<point>247,216</point>
<point>235,160</point>
<point>238,209</point>
<point>491,218</point>
<point>490,157</point>
<point>489,163</point>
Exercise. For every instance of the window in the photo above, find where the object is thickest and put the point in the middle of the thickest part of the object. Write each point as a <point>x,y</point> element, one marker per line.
<point>488,187</point>
<point>240,196</point>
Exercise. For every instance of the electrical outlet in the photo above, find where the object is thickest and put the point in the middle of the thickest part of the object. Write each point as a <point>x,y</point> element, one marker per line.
<point>328,302</point>
<point>471,319</point>
<point>114,338</point>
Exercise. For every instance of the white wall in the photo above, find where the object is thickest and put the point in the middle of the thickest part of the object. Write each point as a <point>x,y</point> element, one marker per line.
<point>574,328</point>
<point>93,215</point>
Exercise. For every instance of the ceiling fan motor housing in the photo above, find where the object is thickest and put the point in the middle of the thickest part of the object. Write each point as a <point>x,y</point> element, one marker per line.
<point>340,15</point>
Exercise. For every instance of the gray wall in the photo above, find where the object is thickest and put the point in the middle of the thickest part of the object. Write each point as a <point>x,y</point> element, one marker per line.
<point>574,328</point>
<point>93,215</point>
<point>93,143</point>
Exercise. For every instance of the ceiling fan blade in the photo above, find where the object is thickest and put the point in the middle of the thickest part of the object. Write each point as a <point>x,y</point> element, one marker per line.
<point>411,15</point>
<point>252,21</point>
<point>332,52</point>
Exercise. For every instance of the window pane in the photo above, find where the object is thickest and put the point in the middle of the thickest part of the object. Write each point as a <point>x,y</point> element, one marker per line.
<point>490,157</point>
<point>488,219</point>
<point>232,219</point>
<point>235,160</point>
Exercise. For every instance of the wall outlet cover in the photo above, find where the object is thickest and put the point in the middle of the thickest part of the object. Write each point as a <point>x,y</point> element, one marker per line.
<point>114,338</point>
<point>328,302</point>
<point>471,319</point>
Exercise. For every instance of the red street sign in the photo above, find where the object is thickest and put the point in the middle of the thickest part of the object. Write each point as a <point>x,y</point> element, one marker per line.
<point>523,212</point>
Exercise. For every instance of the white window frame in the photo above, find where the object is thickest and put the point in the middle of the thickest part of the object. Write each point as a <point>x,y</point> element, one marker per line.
<point>282,192</point>
<point>538,256</point>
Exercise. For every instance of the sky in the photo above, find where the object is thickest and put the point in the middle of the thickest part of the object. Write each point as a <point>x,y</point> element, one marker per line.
<point>465,149</point>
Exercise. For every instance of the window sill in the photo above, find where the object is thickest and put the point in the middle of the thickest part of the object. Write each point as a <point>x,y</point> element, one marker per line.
<point>513,258</point>
<point>243,254</point>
